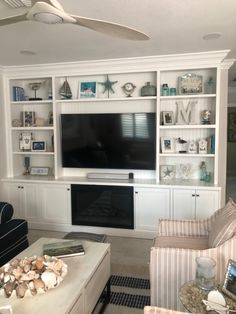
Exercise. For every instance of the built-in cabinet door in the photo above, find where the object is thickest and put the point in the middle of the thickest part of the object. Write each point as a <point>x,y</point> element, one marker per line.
<point>207,201</point>
<point>56,203</point>
<point>23,198</point>
<point>183,204</point>
<point>151,204</point>
<point>195,203</point>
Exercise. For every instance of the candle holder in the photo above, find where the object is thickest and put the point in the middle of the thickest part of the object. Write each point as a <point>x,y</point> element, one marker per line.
<point>35,86</point>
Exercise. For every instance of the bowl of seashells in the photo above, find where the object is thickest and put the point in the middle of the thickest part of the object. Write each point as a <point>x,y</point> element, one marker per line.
<point>31,276</point>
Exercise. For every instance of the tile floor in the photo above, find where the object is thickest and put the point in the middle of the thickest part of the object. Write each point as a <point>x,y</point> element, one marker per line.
<point>128,255</point>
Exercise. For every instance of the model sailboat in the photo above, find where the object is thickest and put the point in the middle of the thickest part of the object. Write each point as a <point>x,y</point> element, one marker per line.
<point>65,90</point>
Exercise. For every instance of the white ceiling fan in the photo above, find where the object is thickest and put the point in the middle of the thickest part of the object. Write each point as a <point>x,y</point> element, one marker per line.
<point>51,12</point>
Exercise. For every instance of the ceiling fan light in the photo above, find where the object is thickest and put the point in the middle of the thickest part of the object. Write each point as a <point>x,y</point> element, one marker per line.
<point>48,18</point>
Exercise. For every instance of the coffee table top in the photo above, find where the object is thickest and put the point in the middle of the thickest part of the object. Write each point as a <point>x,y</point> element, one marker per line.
<point>62,298</point>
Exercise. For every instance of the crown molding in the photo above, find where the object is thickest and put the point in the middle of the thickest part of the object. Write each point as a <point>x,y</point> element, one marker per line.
<point>162,62</point>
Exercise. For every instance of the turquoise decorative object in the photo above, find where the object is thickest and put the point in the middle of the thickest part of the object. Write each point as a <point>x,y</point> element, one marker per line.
<point>108,86</point>
<point>165,91</point>
<point>210,86</point>
<point>148,90</point>
<point>172,91</point>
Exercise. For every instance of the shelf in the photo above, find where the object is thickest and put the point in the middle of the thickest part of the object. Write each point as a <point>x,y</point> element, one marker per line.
<point>188,126</point>
<point>105,99</point>
<point>188,96</point>
<point>186,155</point>
<point>33,153</point>
<point>33,128</point>
<point>32,102</point>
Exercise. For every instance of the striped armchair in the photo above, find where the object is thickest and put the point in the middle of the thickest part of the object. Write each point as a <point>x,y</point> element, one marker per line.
<point>179,242</point>
<point>159,310</point>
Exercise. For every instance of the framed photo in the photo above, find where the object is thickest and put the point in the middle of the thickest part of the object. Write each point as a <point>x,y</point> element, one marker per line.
<point>28,118</point>
<point>25,141</point>
<point>232,127</point>
<point>168,117</point>
<point>229,286</point>
<point>167,145</point>
<point>190,83</point>
<point>39,171</point>
<point>87,89</point>
<point>167,172</point>
<point>38,146</point>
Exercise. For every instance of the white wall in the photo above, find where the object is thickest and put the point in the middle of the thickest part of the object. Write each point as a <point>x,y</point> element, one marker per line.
<point>3,165</point>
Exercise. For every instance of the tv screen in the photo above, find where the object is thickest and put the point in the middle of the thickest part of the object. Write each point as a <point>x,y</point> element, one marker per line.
<point>109,141</point>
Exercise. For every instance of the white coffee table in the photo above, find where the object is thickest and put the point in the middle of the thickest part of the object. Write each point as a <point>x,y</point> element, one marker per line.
<point>79,291</point>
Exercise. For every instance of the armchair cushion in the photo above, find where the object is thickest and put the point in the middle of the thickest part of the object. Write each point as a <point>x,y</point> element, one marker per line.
<point>6,212</point>
<point>193,243</point>
<point>224,226</point>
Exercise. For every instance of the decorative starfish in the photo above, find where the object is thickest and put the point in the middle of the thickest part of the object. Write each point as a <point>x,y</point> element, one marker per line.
<point>168,172</point>
<point>108,86</point>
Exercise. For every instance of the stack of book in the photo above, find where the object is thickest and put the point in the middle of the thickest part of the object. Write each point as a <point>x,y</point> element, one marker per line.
<point>18,93</point>
<point>64,249</point>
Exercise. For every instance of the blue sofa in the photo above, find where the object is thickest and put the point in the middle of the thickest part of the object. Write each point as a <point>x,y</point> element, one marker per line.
<point>13,234</point>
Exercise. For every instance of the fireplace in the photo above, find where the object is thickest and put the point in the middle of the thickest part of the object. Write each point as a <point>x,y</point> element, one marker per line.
<point>103,206</point>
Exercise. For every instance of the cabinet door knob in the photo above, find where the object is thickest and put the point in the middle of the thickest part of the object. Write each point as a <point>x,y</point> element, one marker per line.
<point>193,195</point>
<point>197,195</point>
<point>22,187</point>
<point>18,187</point>
<point>136,192</point>
<point>68,189</point>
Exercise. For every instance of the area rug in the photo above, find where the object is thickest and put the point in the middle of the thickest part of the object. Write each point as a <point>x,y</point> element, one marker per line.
<point>128,295</point>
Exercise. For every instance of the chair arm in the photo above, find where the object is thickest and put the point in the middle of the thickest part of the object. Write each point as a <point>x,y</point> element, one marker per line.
<point>169,227</point>
<point>6,212</point>
<point>170,268</point>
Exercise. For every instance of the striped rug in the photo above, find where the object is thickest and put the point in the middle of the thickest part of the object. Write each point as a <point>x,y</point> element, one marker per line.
<point>128,292</point>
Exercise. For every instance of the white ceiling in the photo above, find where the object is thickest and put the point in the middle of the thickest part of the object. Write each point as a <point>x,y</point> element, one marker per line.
<point>174,26</point>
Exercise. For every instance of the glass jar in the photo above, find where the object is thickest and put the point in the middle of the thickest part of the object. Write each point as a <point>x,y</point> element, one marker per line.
<point>165,91</point>
<point>205,272</point>
<point>148,90</point>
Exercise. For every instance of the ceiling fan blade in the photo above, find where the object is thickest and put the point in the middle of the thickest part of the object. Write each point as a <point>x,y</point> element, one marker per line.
<point>13,19</point>
<point>53,3</point>
<point>111,29</point>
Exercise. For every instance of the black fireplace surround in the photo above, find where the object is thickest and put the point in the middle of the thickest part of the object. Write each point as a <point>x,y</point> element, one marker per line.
<point>103,206</point>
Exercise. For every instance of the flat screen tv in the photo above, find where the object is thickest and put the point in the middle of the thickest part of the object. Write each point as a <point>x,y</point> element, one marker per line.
<point>109,141</point>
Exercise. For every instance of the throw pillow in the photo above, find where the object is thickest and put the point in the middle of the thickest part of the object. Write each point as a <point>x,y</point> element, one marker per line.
<point>224,226</point>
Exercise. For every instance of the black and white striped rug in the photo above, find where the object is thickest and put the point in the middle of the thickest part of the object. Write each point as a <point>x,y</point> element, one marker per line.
<point>131,300</point>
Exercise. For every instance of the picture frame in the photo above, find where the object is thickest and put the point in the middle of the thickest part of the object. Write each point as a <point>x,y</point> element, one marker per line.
<point>229,286</point>
<point>39,171</point>
<point>190,83</point>
<point>168,117</point>
<point>38,146</point>
<point>167,172</point>
<point>88,89</point>
<point>25,141</point>
<point>28,118</point>
<point>232,127</point>
<point>167,145</point>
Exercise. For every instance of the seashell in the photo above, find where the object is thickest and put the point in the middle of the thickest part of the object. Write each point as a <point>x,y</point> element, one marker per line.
<point>39,264</point>
<point>21,289</point>
<point>29,276</point>
<point>7,277</point>
<point>32,288</point>
<point>17,272</point>
<point>15,263</point>
<point>50,279</point>
<point>39,284</point>
<point>27,268</point>
<point>8,288</point>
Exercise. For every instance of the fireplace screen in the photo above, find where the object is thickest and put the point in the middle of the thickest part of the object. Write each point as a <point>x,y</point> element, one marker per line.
<point>103,206</point>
